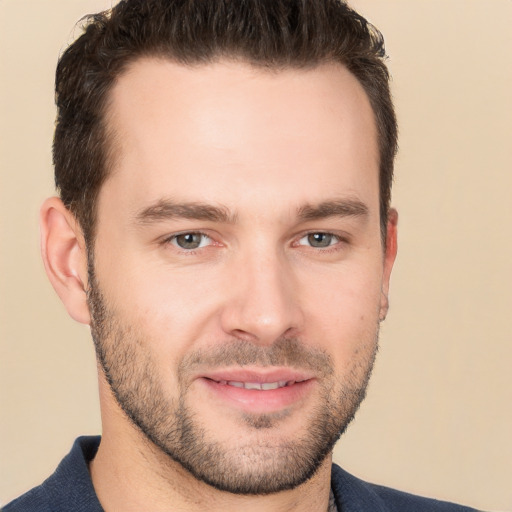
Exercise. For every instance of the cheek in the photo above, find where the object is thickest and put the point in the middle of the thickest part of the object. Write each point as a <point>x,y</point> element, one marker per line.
<point>170,311</point>
<point>350,296</point>
<point>344,314</point>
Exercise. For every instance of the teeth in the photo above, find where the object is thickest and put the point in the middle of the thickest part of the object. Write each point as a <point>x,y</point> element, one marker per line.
<point>252,385</point>
<point>265,386</point>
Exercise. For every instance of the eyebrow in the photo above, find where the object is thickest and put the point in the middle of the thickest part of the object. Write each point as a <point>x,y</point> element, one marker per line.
<point>333,208</point>
<point>166,209</point>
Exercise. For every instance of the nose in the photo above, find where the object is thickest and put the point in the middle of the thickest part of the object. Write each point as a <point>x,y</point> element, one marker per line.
<point>263,303</point>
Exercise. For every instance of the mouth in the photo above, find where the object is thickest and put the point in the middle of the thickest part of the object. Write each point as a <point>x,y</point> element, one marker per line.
<point>258,391</point>
<point>260,386</point>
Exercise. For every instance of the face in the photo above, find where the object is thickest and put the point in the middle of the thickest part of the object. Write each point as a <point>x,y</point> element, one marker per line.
<point>239,275</point>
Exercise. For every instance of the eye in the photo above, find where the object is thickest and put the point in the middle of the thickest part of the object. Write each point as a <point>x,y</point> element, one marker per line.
<point>190,241</point>
<point>319,240</point>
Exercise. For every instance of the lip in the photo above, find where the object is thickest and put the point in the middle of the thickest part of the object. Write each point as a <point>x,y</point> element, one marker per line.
<point>258,401</point>
<point>261,375</point>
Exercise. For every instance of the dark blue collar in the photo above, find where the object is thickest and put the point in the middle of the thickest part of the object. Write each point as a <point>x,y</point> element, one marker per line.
<point>71,484</point>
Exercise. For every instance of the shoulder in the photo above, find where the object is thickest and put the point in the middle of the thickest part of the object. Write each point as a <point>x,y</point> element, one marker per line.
<point>35,500</point>
<point>354,494</point>
<point>69,488</point>
<point>400,501</point>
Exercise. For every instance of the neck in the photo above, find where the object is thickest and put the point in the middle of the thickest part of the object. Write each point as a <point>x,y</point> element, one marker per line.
<point>129,473</point>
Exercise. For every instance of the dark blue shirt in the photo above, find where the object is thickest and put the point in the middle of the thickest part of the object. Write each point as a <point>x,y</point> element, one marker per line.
<point>70,489</point>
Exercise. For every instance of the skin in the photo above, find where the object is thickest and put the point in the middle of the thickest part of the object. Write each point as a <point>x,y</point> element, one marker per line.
<point>266,147</point>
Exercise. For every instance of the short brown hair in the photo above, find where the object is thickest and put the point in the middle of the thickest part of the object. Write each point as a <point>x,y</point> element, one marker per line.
<point>266,33</point>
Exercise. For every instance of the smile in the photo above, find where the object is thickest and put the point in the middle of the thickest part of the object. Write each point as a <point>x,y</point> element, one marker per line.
<point>258,392</point>
<point>260,386</point>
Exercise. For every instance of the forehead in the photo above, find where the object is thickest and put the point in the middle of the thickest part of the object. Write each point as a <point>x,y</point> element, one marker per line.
<point>227,129</point>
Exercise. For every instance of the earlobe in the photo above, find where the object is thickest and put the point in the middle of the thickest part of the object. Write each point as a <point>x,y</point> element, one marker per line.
<point>389,260</point>
<point>65,257</point>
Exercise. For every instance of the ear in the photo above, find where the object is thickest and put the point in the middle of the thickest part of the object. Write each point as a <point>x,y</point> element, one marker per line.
<point>389,260</point>
<point>65,257</point>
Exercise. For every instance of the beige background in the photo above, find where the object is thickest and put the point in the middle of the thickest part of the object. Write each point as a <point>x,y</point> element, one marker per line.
<point>438,419</point>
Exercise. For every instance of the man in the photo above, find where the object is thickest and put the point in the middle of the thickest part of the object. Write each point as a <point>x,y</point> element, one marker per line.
<point>224,227</point>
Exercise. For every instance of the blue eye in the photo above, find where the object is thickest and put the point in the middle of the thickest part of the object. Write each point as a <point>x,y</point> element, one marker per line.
<point>190,241</point>
<point>319,240</point>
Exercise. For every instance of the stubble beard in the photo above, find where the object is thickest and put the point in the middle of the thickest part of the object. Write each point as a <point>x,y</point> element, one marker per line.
<point>249,468</point>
